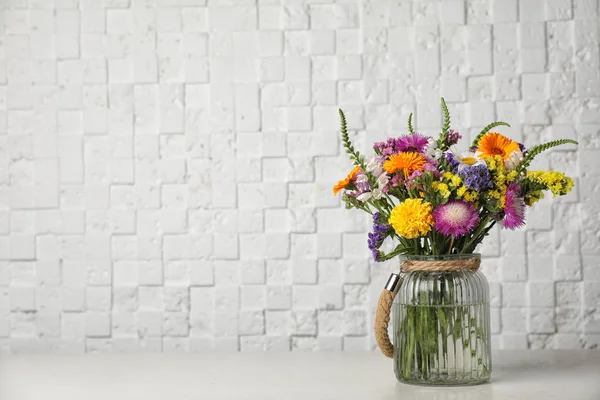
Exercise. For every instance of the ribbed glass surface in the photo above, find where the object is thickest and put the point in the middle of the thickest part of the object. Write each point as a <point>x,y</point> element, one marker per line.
<point>442,326</point>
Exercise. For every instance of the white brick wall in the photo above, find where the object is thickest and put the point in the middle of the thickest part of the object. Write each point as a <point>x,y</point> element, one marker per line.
<point>166,165</point>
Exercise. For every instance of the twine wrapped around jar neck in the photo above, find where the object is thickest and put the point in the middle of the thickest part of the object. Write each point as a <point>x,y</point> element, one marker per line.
<point>441,265</point>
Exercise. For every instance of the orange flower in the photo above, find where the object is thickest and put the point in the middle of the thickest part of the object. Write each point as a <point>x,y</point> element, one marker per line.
<point>408,162</point>
<point>345,182</point>
<point>494,144</point>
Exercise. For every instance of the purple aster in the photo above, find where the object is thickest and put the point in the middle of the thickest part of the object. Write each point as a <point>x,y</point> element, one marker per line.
<point>453,137</point>
<point>414,142</point>
<point>455,218</point>
<point>376,238</point>
<point>514,209</point>
<point>476,177</point>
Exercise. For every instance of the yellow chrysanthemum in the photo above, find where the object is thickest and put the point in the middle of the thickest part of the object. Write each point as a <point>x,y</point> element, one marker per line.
<point>346,181</point>
<point>412,218</point>
<point>408,162</point>
<point>495,144</point>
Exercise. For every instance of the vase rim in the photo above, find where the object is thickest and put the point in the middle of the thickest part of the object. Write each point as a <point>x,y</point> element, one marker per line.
<point>438,257</point>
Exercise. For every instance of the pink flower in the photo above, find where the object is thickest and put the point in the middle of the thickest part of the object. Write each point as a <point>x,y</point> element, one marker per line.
<point>413,142</point>
<point>397,180</point>
<point>455,218</point>
<point>514,210</point>
<point>411,179</point>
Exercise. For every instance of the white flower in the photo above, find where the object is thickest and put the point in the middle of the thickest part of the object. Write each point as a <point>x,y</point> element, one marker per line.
<point>373,163</point>
<point>362,178</point>
<point>382,180</point>
<point>364,197</point>
<point>377,193</point>
<point>374,166</point>
<point>513,160</point>
<point>432,151</point>
<point>467,159</point>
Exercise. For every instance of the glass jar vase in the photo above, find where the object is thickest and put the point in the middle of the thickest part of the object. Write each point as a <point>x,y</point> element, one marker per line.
<point>441,323</point>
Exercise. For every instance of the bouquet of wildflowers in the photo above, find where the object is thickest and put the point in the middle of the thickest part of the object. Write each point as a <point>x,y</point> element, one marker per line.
<point>435,198</point>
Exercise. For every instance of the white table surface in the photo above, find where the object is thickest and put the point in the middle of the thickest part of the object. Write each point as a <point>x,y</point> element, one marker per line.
<point>547,375</point>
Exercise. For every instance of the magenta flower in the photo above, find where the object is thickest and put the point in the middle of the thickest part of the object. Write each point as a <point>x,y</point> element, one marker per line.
<point>514,210</point>
<point>413,142</point>
<point>455,218</point>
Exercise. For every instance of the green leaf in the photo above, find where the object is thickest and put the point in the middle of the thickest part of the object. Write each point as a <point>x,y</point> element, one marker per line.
<point>354,154</point>
<point>535,150</point>
<point>446,126</point>
<point>486,130</point>
<point>410,127</point>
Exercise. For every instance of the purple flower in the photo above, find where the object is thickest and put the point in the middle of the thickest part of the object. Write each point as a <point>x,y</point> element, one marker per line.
<point>523,149</point>
<point>362,183</point>
<point>514,210</point>
<point>414,142</point>
<point>452,161</point>
<point>411,181</point>
<point>455,218</point>
<point>397,180</point>
<point>453,137</point>
<point>385,148</point>
<point>476,177</point>
<point>376,238</point>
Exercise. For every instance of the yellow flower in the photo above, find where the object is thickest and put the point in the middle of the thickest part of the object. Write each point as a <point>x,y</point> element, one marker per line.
<point>412,218</point>
<point>346,181</point>
<point>495,144</point>
<point>470,196</point>
<point>511,176</point>
<point>534,197</point>
<point>461,191</point>
<point>447,175</point>
<point>492,161</point>
<point>442,188</point>
<point>456,180</point>
<point>408,162</point>
<point>555,181</point>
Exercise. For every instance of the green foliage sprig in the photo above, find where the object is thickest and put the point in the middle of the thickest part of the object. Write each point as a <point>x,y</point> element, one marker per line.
<point>355,156</point>
<point>486,130</point>
<point>446,126</point>
<point>410,127</point>
<point>442,141</point>
<point>535,150</point>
